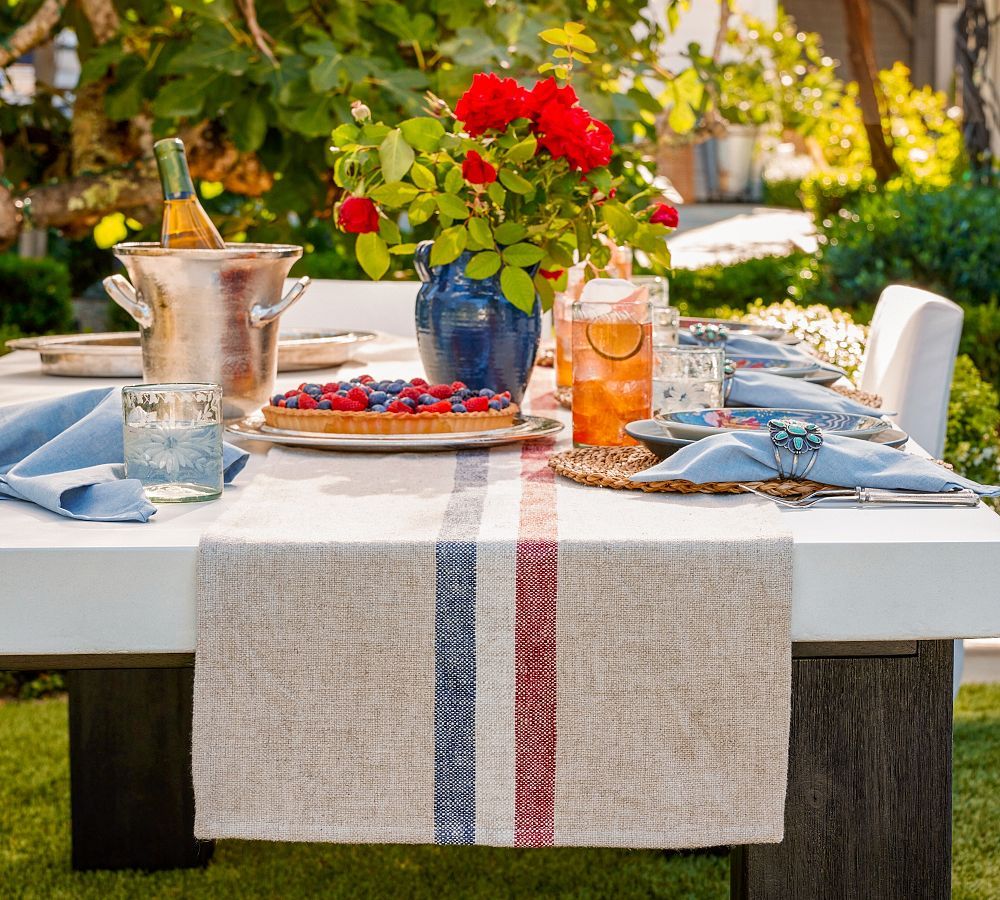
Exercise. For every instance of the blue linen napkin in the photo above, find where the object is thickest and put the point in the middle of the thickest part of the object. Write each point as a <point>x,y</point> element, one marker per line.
<point>67,455</point>
<point>842,462</point>
<point>758,387</point>
<point>738,345</point>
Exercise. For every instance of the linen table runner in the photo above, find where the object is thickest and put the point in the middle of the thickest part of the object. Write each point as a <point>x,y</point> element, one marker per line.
<point>462,648</point>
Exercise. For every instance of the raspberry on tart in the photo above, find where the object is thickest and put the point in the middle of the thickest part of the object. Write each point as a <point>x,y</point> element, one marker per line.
<point>366,406</point>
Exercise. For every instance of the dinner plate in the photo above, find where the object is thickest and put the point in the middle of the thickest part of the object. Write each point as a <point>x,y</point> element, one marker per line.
<point>525,428</point>
<point>651,433</point>
<point>118,354</point>
<point>697,423</point>
<point>735,326</point>
<point>774,366</point>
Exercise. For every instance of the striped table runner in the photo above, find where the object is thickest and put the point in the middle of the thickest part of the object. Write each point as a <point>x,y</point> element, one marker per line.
<point>462,648</point>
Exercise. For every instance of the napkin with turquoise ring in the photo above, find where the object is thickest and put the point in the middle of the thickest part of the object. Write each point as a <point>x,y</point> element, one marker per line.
<point>67,455</point>
<point>841,461</point>
<point>758,387</point>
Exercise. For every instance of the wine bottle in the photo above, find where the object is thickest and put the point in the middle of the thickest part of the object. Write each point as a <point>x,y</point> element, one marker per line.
<point>186,225</point>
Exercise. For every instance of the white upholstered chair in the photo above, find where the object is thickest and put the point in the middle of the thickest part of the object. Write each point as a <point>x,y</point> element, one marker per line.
<point>909,362</point>
<point>385,306</point>
<point>910,359</point>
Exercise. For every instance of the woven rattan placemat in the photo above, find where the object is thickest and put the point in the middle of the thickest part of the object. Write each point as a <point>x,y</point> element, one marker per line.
<point>612,466</point>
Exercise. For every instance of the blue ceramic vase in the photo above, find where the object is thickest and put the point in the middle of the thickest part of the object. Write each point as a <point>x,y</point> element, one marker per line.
<point>467,331</point>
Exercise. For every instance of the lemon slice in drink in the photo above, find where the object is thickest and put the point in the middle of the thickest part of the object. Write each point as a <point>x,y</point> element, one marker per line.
<point>614,338</point>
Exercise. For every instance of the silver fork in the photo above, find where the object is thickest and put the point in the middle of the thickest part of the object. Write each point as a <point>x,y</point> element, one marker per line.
<point>863,497</point>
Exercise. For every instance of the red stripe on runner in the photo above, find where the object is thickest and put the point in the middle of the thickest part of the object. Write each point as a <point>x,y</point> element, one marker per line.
<point>535,644</point>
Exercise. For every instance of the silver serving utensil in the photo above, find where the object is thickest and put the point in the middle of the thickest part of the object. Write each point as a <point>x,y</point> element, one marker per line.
<point>863,497</point>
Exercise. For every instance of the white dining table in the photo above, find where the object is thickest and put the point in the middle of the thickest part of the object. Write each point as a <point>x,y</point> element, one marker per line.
<point>878,594</point>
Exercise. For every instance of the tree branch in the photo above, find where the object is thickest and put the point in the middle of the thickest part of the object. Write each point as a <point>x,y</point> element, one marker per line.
<point>103,18</point>
<point>37,30</point>
<point>260,37</point>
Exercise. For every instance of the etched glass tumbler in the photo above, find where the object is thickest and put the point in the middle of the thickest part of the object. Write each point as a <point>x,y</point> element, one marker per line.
<point>173,440</point>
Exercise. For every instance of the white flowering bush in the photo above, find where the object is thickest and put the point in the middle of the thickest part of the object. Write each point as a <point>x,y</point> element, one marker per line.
<point>833,334</point>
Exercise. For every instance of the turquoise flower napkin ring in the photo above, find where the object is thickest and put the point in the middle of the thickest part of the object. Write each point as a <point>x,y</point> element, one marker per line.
<point>709,334</point>
<point>728,371</point>
<point>794,439</point>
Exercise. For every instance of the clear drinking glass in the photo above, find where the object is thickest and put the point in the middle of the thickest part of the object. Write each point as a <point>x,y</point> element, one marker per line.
<point>612,367</point>
<point>173,440</point>
<point>688,378</point>
<point>666,318</point>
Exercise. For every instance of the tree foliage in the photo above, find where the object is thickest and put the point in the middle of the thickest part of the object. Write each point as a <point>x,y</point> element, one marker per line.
<point>257,90</point>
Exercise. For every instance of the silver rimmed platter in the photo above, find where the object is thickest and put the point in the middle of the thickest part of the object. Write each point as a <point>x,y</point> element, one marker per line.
<point>525,428</point>
<point>117,354</point>
<point>698,423</point>
<point>663,444</point>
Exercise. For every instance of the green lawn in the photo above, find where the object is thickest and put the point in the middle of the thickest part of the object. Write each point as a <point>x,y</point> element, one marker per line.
<point>34,840</point>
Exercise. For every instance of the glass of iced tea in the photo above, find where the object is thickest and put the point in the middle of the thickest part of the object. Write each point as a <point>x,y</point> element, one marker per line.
<point>612,362</point>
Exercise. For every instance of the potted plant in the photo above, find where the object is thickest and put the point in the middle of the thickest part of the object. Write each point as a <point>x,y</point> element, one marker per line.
<point>514,186</point>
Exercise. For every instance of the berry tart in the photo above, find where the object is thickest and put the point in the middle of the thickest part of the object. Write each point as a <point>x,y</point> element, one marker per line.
<point>366,406</point>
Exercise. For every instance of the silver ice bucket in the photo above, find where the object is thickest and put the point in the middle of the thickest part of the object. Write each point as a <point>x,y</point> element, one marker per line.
<point>209,315</point>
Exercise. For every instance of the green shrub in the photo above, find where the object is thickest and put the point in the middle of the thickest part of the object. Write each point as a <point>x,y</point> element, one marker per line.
<point>782,192</point>
<point>981,338</point>
<point>35,296</point>
<point>8,333</point>
<point>972,444</point>
<point>704,291</point>
<point>30,685</point>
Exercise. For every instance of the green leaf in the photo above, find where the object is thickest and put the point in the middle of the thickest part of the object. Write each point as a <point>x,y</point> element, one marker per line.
<point>124,99</point>
<point>480,236</point>
<point>327,73</point>
<point>399,193</point>
<point>555,36</point>
<point>402,249</point>
<point>421,209</point>
<point>183,97</point>
<point>395,155</point>
<point>452,206</point>
<point>582,43</point>
<point>483,265</point>
<point>496,193</point>
<point>509,233</point>
<point>374,132</point>
<point>423,177</point>
<point>522,151</point>
<point>518,288</point>
<point>514,182</point>
<point>682,118</point>
<point>346,133</point>
<point>523,255</point>
<point>621,222</point>
<point>546,291</point>
<point>389,231</point>
<point>600,179</point>
<point>247,123</point>
<point>448,245</point>
<point>454,181</point>
<point>584,230</point>
<point>424,133</point>
<point>373,255</point>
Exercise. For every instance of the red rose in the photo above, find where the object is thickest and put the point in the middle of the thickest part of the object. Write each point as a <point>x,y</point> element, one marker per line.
<point>546,92</point>
<point>490,103</point>
<point>551,274</point>
<point>572,133</point>
<point>476,170</point>
<point>664,215</point>
<point>357,215</point>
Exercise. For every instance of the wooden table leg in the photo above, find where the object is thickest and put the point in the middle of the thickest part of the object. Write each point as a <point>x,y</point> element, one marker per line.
<point>868,812</point>
<point>130,769</point>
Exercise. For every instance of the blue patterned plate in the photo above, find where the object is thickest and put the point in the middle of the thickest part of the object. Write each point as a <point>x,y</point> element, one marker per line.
<point>809,371</point>
<point>651,433</point>
<point>697,423</point>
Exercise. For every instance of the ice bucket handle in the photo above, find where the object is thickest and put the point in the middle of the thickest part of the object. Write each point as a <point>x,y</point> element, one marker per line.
<point>119,290</point>
<point>261,315</point>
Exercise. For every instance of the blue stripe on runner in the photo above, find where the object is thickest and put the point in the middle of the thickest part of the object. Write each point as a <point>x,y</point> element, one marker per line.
<point>455,654</point>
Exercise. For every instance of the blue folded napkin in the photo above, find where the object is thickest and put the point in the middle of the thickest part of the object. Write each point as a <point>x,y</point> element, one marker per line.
<point>758,387</point>
<point>67,455</point>
<point>841,461</point>
<point>743,345</point>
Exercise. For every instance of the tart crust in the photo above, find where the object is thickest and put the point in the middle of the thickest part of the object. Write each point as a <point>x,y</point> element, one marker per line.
<point>326,421</point>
